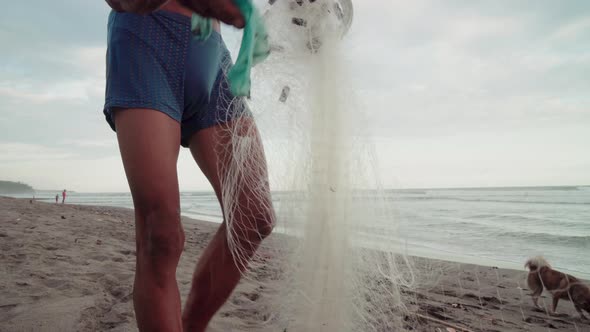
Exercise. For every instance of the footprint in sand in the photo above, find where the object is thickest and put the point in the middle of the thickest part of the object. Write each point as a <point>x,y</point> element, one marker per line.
<point>561,321</point>
<point>251,296</point>
<point>54,283</point>
<point>491,299</point>
<point>117,292</point>
<point>18,257</point>
<point>470,296</point>
<point>100,258</point>
<point>112,320</point>
<point>121,293</point>
<point>119,286</point>
<point>127,252</point>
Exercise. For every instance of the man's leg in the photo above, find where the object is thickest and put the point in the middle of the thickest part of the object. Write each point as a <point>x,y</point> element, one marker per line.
<point>250,220</point>
<point>149,144</point>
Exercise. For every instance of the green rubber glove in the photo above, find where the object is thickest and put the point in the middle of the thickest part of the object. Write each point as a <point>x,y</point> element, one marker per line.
<point>201,27</point>
<point>253,50</point>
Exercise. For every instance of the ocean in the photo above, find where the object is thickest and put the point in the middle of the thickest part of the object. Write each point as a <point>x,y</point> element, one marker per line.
<point>488,226</point>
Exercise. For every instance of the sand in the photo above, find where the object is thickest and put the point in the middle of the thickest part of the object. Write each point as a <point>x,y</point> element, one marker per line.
<point>70,268</point>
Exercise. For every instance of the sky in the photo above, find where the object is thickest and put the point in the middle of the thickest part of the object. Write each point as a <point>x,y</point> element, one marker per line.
<point>458,93</point>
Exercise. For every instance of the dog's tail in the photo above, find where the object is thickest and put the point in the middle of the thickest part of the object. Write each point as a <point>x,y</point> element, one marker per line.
<point>534,281</point>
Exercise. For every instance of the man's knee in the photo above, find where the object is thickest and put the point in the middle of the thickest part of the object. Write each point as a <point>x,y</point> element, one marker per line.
<point>264,223</point>
<point>252,227</point>
<point>160,237</point>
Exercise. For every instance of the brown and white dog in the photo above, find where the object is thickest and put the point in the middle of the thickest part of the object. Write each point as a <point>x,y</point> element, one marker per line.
<point>559,284</point>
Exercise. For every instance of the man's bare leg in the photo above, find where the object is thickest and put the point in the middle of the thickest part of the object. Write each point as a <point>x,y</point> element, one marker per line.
<point>217,274</point>
<point>149,143</point>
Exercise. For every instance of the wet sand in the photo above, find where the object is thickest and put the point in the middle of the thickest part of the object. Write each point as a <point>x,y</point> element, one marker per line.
<point>70,268</point>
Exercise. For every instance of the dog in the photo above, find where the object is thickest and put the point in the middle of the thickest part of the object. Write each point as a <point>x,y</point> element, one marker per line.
<point>560,285</point>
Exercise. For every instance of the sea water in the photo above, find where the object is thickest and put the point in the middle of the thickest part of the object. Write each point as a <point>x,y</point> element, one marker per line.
<point>489,226</point>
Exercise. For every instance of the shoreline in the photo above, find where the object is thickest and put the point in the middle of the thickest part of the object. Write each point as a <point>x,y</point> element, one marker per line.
<point>419,250</point>
<point>71,267</point>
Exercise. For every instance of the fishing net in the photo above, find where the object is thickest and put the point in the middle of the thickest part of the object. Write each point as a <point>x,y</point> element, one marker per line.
<point>320,270</point>
<point>337,260</point>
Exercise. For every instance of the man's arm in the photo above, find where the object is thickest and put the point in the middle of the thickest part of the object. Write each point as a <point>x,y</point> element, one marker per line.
<point>136,6</point>
<point>223,10</point>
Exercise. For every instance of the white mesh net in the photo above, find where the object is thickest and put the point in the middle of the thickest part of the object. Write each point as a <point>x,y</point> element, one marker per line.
<point>326,273</point>
<point>335,261</point>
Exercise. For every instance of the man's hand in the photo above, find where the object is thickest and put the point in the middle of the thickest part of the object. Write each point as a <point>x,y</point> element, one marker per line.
<point>223,10</point>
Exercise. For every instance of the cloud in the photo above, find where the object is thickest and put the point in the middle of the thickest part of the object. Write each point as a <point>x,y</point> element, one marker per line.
<point>20,152</point>
<point>70,91</point>
<point>437,68</point>
<point>89,143</point>
<point>87,63</point>
<point>574,30</point>
<point>98,174</point>
<point>458,92</point>
<point>526,158</point>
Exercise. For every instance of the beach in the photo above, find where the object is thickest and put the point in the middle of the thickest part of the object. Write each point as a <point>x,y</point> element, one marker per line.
<point>71,268</point>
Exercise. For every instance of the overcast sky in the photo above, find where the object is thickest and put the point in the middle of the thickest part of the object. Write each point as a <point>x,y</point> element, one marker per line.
<point>459,93</point>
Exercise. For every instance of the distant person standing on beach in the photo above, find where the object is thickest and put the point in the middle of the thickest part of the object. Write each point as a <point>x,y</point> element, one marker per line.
<point>56,198</point>
<point>63,197</point>
<point>166,89</point>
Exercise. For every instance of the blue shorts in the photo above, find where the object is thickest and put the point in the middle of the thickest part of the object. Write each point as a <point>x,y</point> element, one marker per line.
<point>154,62</point>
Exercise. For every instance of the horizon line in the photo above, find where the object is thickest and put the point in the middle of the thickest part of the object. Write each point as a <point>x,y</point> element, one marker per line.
<point>384,189</point>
